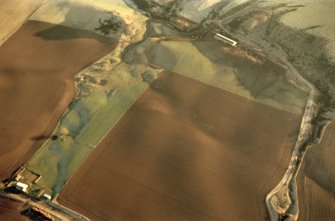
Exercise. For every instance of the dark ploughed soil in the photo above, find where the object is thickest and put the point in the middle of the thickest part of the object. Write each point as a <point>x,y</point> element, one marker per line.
<point>37,65</point>
<point>10,210</point>
<point>185,151</point>
<point>316,180</point>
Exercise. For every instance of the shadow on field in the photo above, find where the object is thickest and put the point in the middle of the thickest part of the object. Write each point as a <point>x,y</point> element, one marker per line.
<point>60,32</point>
<point>81,18</point>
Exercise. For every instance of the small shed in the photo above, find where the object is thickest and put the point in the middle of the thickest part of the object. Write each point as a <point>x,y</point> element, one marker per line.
<point>22,186</point>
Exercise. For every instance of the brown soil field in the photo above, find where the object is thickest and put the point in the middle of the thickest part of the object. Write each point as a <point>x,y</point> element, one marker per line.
<point>316,180</point>
<point>37,65</point>
<point>10,210</point>
<point>185,151</point>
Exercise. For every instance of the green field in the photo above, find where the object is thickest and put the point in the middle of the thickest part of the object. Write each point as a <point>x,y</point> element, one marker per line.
<point>97,107</point>
<point>81,128</point>
<point>58,160</point>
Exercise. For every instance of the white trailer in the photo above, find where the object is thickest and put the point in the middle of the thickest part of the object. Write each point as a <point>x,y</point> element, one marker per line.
<point>225,39</point>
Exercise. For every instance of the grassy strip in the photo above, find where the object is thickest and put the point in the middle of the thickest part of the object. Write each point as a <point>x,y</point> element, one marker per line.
<point>121,100</point>
<point>58,160</point>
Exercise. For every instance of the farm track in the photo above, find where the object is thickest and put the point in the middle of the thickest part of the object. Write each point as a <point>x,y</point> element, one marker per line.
<point>288,182</point>
<point>282,201</point>
<point>287,186</point>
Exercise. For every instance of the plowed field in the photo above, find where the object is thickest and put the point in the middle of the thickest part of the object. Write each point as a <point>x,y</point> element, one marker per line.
<point>185,151</point>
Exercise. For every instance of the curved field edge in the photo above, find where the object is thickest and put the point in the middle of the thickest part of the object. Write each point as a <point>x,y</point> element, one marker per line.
<point>66,132</point>
<point>37,85</point>
<point>300,51</point>
<point>316,187</point>
<point>105,90</point>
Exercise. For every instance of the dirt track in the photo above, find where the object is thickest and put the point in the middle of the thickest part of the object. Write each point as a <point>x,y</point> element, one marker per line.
<point>185,151</point>
<point>316,180</point>
<point>37,65</point>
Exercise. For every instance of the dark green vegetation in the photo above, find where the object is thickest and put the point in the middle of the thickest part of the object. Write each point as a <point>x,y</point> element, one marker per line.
<point>142,4</point>
<point>112,24</point>
<point>310,59</point>
<point>35,215</point>
<point>306,52</point>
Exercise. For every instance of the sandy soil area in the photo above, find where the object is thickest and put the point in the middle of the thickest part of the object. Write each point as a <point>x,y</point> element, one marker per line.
<point>185,151</point>
<point>316,181</point>
<point>13,13</point>
<point>37,65</point>
<point>10,210</point>
<point>85,15</point>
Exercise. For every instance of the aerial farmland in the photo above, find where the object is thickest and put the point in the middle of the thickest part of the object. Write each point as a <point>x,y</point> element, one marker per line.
<point>41,98</point>
<point>318,185</point>
<point>13,14</point>
<point>167,110</point>
<point>10,210</point>
<point>184,159</point>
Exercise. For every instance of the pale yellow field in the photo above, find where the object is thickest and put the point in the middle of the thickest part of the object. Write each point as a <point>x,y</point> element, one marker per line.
<point>13,13</point>
<point>85,15</point>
